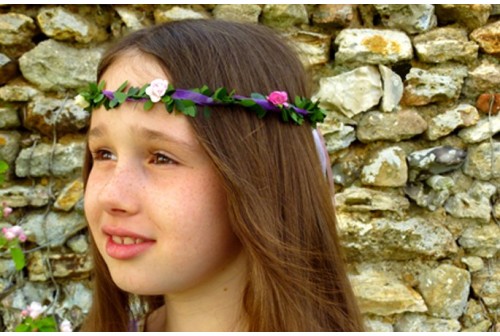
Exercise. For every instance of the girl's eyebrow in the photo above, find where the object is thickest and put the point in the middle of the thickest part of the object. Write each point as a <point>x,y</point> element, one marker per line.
<point>146,133</point>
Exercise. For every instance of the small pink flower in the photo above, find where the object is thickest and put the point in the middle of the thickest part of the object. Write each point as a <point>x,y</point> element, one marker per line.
<point>65,326</point>
<point>17,230</point>
<point>22,237</point>
<point>157,89</point>
<point>24,313</point>
<point>8,234</point>
<point>35,309</point>
<point>278,98</point>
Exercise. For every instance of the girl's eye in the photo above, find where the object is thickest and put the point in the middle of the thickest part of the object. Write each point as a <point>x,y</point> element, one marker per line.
<point>103,155</point>
<point>162,159</point>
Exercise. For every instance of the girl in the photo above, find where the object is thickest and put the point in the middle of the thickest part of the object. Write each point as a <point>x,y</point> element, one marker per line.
<point>215,219</point>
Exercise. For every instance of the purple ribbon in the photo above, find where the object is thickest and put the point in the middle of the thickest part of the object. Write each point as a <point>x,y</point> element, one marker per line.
<point>202,100</point>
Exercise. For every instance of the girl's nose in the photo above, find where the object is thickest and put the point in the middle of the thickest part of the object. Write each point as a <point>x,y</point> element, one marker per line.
<point>121,192</point>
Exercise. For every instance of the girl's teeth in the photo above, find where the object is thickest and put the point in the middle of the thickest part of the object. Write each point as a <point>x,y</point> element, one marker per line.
<point>126,240</point>
<point>116,239</point>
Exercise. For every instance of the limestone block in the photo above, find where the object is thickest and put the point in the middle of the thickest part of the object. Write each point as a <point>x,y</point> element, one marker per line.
<point>385,239</point>
<point>351,92</point>
<point>35,161</point>
<point>436,160</point>
<point>239,13</point>
<point>337,135</point>
<point>9,118</point>
<point>427,86</point>
<point>284,16</point>
<point>364,199</point>
<point>18,91</point>
<point>341,15</point>
<point>374,323</point>
<point>496,209</point>
<point>480,163</point>
<point>475,317</point>
<point>393,89</point>
<point>486,284</point>
<point>78,244</point>
<point>61,24</point>
<point>77,294</point>
<point>372,46</point>
<point>463,115</point>
<point>445,290</point>
<point>445,44</point>
<point>21,196</point>
<point>53,65</point>
<point>133,18</point>
<point>312,48</point>
<point>483,78</point>
<point>382,295</point>
<point>177,13</point>
<point>475,203</point>
<point>437,195</point>
<point>488,37</point>
<point>470,16</point>
<point>482,241</point>
<point>9,145</point>
<point>410,18</point>
<point>52,229</point>
<point>422,323</point>
<point>8,69</point>
<point>396,126</point>
<point>69,195</point>
<point>483,130</point>
<point>347,166</point>
<point>63,265</point>
<point>16,28</point>
<point>43,114</point>
<point>473,263</point>
<point>386,168</point>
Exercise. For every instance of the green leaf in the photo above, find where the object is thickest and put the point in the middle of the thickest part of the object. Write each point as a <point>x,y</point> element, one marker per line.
<point>120,97</point>
<point>247,102</point>
<point>220,94</point>
<point>3,167</point>
<point>122,87</point>
<point>190,111</point>
<point>98,99</point>
<point>179,105</point>
<point>112,103</point>
<point>22,328</point>
<point>132,91</point>
<point>101,85</point>
<point>148,105</point>
<point>46,324</point>
<point>257,96</point>
<point>18,256</point>
<point>142,91</point>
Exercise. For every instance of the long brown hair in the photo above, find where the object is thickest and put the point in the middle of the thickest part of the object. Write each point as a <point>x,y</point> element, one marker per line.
<point>278,200</point>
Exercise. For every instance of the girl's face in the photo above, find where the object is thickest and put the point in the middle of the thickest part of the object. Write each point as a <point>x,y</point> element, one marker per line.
<point>156,207</point>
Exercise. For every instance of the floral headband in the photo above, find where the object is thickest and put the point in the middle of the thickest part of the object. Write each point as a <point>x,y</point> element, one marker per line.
<point>185,101</point>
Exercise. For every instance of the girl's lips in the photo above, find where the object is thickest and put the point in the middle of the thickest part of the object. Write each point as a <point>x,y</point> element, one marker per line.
<point>124,244</point>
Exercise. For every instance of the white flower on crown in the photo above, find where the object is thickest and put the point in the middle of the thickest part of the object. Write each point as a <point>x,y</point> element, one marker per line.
<point>82,102</point>
<point>157,89</point>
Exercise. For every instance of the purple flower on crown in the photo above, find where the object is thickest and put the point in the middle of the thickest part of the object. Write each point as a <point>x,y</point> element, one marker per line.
<point>157,89</point>
<point>278,98</point>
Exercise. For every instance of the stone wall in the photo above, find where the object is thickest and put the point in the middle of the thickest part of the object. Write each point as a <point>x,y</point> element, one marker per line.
<point>413,94</point>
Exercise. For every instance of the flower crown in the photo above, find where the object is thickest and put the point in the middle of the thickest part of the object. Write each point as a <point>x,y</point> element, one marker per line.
<point>185,101</point>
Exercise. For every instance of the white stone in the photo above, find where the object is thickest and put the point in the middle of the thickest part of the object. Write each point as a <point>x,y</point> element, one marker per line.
<point>386,169</point>
<point>393,89</point>
<point>445,123</point>
<point>312,48</point>
<point>483,130</point>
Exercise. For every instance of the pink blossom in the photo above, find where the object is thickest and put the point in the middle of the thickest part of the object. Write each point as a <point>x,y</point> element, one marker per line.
<point>278,98</point>
<point>35,309</point>
<point>157,89</point>
<point>8,234</point>
<point>24,313</point>
<point>6,211</point>
<point>65,326</point>
<point>13,232</point>
<point>22,237</point>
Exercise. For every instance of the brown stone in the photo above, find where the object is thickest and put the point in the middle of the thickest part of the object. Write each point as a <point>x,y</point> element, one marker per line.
<point>334,15</point>
<point>488,37</point>
<point>483,103</point>
<point>470,16</point>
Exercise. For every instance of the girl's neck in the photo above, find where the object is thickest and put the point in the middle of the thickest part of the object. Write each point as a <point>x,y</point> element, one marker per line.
<point>214,306</point>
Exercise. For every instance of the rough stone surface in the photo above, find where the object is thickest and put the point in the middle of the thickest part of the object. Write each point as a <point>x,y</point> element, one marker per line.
<point>16,28</point>
<point>482,241</point>
<point>18,92</point>
<point>470,16</point>
<point>341,15</point>
<point>473,263</point>
<point>134,19</point>
<point>422,323</point>
<point>69,196</point>
<point>445,291</point>
<point>483,161</point>
<point>393,89</point>
<point>430,86</point>
<point>313,48</point>
<point>337,135</point>
<point>483,78</point>
<point>488,103</point>
<point>474,203</point>
<point>44,67</point>
<point>62,24</point>
<point>374,323</point>
<point>44,114</point>
<point>382,295</point>
<point>9,118</point>
<point>67,159</point>
<point>20,196</point>
<point>9,145</point>
<point>463,115</point>
<point>382,238</point>
<point>371,46</point>
<point>78,244</point>
<point>364,199</point>
<point>387,168</point>
<point>342,92</point>
<point>177,13</point>
<point>445,44</point>
<point>435,197</point>
<point>435,160</point>
<point>63,266</point>
<point>488,37</point>
<point>53,229</point>
<point>282,16</point>
<point>486,284</point>
<point>400,125</point>
<point>475,317</point>
<point>239,13</point>
<point>8,69</point>
<point>409,18</point>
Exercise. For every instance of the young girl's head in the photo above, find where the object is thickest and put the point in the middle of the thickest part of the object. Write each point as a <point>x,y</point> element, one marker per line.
<point>220,205</point>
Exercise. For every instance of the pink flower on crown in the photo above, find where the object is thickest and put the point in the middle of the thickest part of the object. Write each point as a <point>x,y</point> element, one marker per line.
<point>157,89</point>
<point>278,98</point>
